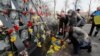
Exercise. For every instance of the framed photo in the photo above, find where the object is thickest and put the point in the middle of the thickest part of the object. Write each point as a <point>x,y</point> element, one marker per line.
<point>24,34</point>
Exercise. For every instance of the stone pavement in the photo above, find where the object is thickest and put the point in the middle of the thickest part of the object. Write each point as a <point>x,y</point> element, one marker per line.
<point>95,46</point>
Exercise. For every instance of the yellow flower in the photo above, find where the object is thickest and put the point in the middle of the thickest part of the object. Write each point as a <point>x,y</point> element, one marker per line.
<point>53,39</point>
<point>39,44</point>
<point>56,48</point>
<point>13,38</point>
<point>10,53</point>
<point>51,51</point>
<point>30,30</point>
<point>38,35</point>
<point>65,45</point>
<point>44,36</point>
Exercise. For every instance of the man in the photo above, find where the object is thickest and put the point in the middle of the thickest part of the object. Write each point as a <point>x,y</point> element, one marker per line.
<point>97,12</point>
<point>80,19</point>
<point>63,21</point>
<point>79,38</point>
<point>74,18</point>
<point>78,10</point>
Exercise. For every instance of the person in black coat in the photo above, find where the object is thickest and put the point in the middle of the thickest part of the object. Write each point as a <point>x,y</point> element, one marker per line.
<point>63,22</point>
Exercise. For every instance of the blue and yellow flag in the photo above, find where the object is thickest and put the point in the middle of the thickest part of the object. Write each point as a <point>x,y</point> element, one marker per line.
<point>97,20</point>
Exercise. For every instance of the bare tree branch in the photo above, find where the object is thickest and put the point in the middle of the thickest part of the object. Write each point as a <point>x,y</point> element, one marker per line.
<point>76,4</point>
<point>66,5</point>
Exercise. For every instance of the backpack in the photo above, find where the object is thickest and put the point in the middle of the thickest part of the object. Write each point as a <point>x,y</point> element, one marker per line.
<point>81,22</point>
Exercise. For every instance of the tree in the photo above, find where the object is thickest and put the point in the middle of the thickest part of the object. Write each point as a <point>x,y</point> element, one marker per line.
<point>54,8</point>
<point>76,4</point>
<point>99,2</point>
<point>66,4</point>
<point>89,8</point>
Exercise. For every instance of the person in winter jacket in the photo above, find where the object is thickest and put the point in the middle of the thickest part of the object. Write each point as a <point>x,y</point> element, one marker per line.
<point>63,21</point>
<point>79,38</point>
<point>74,18</point>
<point>95,13</point>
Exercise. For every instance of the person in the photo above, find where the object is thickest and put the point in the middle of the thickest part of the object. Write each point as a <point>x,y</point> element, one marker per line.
<point>63,21</point>
<point>60,24</point>
<point>95,13</point>
<point>79,39</point>
<point>81,19</point>
<point>78,10</point>
<point>74,18</point>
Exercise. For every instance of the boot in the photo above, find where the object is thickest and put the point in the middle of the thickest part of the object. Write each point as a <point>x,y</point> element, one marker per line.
<point>95,33</point>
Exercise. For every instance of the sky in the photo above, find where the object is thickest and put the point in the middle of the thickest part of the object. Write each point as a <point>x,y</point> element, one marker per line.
<point>84,6</point>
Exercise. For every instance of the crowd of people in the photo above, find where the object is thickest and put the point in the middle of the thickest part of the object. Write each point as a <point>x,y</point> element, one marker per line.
<point>72,23</point>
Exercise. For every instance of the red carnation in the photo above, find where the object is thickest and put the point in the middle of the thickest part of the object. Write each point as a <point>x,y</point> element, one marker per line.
<point>29,24</point>
<point>16,27</point>
<point>10,31</point>
<point>24,12</point>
